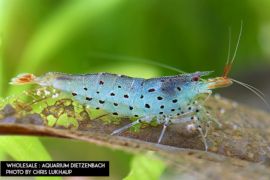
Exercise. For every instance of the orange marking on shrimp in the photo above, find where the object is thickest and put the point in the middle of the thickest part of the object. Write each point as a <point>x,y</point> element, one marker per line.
<point>227,69</point>
<point>23,79</point>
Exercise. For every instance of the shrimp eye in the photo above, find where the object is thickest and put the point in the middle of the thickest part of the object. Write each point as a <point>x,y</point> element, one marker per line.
<point>195,78</point>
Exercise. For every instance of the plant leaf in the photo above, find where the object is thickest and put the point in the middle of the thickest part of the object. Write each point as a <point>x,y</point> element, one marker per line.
<point>24,148</point>
<point>145,167</point>
<point>1,72</point>
<point>2,154</point>
<point>242,141</point>
<point>60,28</point>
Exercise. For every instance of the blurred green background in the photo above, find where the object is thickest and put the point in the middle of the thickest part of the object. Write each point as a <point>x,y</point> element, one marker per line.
<point>86,36</point>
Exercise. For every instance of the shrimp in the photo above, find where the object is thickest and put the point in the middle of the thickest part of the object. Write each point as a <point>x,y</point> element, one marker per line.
<point>168,99</point>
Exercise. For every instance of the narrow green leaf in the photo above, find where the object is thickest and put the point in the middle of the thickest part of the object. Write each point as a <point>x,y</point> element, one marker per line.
<point>1,72</point>
<point>24,148</point>
<point>50,178</point>
<point>145,167</point>
<point>129,69</point>
<point>60,28</point>
<point>2,154</point>
<point>1,50</point>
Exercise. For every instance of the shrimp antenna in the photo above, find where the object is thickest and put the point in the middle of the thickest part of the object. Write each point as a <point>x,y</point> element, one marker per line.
<point>136,59</point>
<point>229,46</point>
<point>238,41</point>
<point>254,90</point>
<point>228,66</point>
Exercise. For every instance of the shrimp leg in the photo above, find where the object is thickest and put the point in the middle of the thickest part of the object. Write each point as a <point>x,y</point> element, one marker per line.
<point>124,128</point>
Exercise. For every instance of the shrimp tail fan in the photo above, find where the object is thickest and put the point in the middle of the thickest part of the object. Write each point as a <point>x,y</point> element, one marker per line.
<point>21,79</point>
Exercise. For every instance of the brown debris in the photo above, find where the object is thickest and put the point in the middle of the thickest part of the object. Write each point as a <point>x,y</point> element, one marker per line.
<point>243,139</point>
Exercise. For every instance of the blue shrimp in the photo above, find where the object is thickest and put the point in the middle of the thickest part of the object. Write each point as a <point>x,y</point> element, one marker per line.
<point>169,99</point>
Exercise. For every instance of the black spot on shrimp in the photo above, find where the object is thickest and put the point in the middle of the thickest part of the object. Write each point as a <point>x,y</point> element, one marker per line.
<point>88,98</point>
<point>101,102</point>
<point>147,106</point>
<point>151,90</point>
